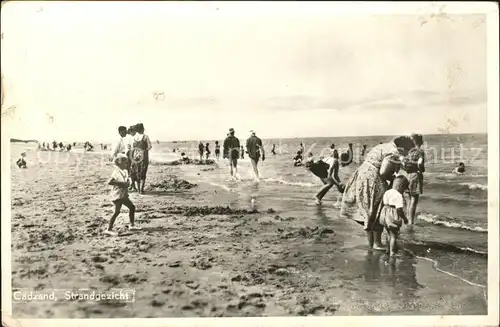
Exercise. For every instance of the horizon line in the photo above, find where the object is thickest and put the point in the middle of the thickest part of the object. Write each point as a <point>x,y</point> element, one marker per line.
<point>344,136</point>
<point>278,138</point>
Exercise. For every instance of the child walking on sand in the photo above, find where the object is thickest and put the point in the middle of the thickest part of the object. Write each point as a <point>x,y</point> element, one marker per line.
<point>392,213</point>
<point>119,182</point>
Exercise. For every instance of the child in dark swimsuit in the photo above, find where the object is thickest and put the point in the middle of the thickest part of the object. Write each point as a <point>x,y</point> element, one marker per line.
<point>297,160</point>
<point>460,169</point>
<point>184,158</point>
<point>207,151</point>
<point>217,150</point>
<point>21,162</point>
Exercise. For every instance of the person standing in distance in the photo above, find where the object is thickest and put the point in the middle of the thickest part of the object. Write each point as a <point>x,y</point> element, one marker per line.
<point>217,150</point>
<point>201,149</point>
<point>129,144</point>
<point>119,146</point>
<point>231,146</point>
<point>225,154</point>
<point>254,149</point>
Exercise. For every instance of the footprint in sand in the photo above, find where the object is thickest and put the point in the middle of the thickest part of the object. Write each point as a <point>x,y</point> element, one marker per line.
<point>99,259</point>
<point>156,303</point>
<point>195,304</point>
<point>110,279</point>
<point>192,284</point>
<point>175,264</point>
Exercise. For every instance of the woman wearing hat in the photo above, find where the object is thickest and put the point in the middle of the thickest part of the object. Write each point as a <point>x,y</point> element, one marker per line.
<point>364,191</point>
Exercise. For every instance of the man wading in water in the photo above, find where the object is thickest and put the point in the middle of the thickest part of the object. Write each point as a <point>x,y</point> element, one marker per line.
<point>232,148</point>
<point>254,148</point>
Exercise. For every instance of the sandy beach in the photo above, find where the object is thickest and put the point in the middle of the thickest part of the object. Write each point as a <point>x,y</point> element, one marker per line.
<point>299,159</point>
<point>196,257</point>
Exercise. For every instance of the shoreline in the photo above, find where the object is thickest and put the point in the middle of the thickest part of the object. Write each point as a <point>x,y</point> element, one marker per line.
<point>14,140</point>
<point>191,260</point>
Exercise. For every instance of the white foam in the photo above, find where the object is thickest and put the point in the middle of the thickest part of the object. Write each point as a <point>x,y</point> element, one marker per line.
<point>434,219</point>
<point>281,181</point>
<point>475,186</point>
<point>453,175</point>
<point>224,187</point>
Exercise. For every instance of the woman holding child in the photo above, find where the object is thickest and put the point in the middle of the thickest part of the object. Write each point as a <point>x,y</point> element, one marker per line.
<point>366,187</point>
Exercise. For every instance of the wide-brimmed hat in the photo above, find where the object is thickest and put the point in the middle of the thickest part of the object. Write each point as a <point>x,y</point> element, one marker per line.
<point>252,132</point>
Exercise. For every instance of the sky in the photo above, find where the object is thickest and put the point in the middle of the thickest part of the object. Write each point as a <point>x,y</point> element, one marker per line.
<point>191,71</point>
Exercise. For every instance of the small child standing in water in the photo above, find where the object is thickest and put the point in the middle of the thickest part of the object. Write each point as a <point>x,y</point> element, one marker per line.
<point>392,213</point>
<point>21,162</point>
<point>119,182</point>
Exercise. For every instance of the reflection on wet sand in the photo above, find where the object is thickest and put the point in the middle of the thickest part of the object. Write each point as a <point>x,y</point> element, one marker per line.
<point>397,272</point>
<point>320,213</point>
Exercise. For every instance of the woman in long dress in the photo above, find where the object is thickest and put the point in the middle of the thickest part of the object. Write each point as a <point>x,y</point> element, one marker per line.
<point>140,157</point>
<point>366,187</point>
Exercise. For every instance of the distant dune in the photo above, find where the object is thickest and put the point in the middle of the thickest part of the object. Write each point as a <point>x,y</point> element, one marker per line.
<point>23,141</point>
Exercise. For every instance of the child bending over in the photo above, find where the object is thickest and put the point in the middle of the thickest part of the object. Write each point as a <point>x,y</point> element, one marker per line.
<point>119,182</point>
<point>327,170</point>
<point>392,213</point>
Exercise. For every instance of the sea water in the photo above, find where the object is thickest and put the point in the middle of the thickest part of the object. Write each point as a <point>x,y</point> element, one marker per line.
<point>452,213</point>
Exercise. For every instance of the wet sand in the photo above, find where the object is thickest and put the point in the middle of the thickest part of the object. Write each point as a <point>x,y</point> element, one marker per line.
<point>194,258</point>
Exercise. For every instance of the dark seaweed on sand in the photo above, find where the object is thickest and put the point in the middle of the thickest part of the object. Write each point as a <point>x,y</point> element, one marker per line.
<point>173,183</point>
<point>196,162</point>
<point>206,210</point>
